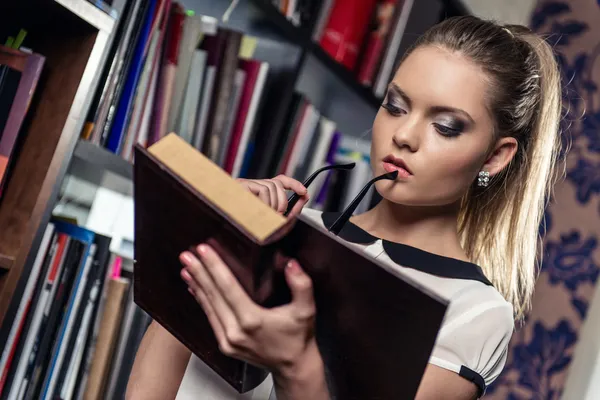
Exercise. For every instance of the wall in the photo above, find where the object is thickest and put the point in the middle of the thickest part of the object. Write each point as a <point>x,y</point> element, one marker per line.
<point>507,11</point>
<point>555,354</point>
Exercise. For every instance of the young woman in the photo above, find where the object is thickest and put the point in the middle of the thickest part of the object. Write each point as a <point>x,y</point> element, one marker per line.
<point>471,123</point>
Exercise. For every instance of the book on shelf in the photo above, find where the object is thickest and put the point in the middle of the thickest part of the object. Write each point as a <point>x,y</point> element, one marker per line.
<point>19,76</point>
<point>56,347</point>
<point>361,302</point>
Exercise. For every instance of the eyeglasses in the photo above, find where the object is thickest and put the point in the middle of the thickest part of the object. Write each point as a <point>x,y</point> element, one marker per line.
<point>337,225</point>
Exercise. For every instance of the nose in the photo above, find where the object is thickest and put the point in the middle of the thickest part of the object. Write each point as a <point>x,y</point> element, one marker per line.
<point>407,134</point>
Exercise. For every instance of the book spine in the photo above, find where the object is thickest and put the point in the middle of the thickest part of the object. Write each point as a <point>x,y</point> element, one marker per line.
<point>346,29</point>
<point>20,105</point>
<point>116,291</point>
<point>222,93</point>
<point>376,41</point>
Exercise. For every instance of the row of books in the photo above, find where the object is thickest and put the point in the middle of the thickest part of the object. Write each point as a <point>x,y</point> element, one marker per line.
<point>174,71</point>
<point>20,70</point>
<point>362,35</point>
<point>76,329</point>
<point>213,87</point>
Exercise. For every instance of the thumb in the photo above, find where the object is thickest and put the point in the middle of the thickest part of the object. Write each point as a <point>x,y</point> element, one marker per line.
<point>301,287</point>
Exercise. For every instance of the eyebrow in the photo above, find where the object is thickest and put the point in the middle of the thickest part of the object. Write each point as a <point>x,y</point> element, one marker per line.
<point>395,89</point>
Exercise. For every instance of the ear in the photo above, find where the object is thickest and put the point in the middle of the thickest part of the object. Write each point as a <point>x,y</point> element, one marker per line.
<point>501,155</point>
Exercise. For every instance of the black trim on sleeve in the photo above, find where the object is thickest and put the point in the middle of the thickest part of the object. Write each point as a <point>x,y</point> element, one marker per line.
<point>474,377</point>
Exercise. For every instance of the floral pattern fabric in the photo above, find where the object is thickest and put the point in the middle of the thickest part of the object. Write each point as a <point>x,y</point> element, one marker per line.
<point>542,348</point>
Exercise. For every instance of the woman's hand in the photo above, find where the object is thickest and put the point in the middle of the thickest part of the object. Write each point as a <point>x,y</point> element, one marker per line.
<point>273,192</point>
<point>280,339</point>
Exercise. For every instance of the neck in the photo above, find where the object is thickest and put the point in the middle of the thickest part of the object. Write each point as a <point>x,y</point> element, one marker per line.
<point>433,229</point>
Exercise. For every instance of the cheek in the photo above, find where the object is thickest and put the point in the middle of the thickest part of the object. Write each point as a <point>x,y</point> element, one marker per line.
<point>453,171</point>
<point>381,136</point>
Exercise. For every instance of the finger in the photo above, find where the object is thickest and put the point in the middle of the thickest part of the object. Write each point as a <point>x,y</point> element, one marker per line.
<point>297,209</point>
<point>282,202</point>
<point>231,291</point>
<point>202,279</point>
<point>261,191</point>
<point>272,193</point>
<point>292,184</point>
<point>200,297</point>
<point>301,287</point>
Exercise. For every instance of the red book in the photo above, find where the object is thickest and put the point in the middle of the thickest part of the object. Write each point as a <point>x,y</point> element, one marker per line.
<point>167,73</point>
<point>252,68</point>
<point>346,30</point>
<point>376,40</point>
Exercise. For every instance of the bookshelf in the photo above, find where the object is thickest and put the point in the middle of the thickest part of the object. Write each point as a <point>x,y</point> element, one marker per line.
<point>99,159</point>
<point>73,36</point>
<point>303,38</point>
<point>76,36</point>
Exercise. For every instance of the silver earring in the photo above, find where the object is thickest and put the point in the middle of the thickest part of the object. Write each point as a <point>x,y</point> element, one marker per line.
<point>483,179</point>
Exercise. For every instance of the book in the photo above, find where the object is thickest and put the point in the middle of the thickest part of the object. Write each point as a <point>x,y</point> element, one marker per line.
<point>373,323</point>
<point>24,68</point>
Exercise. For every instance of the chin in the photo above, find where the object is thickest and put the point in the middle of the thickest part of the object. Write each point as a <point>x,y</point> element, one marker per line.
<point>397,192</point>
<point>402,193</point>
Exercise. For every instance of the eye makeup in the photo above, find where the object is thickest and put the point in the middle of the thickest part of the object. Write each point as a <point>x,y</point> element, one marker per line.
<point>450,127</point>
<point>448,121</point>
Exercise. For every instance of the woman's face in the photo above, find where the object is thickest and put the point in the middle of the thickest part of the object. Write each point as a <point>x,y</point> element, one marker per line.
<point>434,121</point>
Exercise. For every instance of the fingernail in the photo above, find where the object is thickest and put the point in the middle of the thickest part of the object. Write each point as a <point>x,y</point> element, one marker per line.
<point>190,291</point>
<point>202,249</point>
<point>293,267</point>
<point>186,275</point>
<point>187,257</point>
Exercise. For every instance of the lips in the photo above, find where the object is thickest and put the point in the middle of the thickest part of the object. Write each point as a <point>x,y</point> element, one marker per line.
<point>391,164</point>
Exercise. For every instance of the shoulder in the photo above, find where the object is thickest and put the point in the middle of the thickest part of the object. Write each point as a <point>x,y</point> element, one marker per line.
<point>474,337</point>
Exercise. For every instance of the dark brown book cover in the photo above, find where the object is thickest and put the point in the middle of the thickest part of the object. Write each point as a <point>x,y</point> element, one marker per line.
<point>375,327</point>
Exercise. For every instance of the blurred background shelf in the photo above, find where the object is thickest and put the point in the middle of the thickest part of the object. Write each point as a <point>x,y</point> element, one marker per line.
<point>101,168</point>
<point>302,37</point>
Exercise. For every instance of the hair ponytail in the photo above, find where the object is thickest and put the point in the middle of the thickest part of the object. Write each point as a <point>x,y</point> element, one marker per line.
<point>499,225</point>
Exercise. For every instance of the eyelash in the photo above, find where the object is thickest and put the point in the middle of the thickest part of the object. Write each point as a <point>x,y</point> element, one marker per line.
<point>447,131</point>
<point>442,129</point>
<point>393,110</point>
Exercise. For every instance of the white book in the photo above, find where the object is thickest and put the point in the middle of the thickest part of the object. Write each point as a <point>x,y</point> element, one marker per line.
<point>192,31</point>
<point>185,125</point>
<point>234,105</point>
<point>250,118</point>
<point>322,20</point>
<point>144,128</point>
<point>59,354</point>
<point>319,158</point>
<point>42,311</point>
<point>202,120</point>
<point>26,299</point>
<point>305,135</point>
<point>79,348</point>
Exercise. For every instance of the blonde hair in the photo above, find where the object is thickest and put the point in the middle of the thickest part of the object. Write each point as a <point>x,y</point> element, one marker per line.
<point>499,225</point>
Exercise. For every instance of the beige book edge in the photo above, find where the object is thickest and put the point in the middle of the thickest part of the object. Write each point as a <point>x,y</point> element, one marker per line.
<point>217,186</point>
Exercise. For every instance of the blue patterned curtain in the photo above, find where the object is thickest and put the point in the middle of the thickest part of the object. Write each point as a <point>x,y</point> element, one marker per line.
<point>542,349</point>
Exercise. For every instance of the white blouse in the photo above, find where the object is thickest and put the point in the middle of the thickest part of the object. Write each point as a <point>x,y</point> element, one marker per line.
<point>472,341</point>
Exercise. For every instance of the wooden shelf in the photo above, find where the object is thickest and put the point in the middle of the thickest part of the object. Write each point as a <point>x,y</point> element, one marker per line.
<point>73,36</point>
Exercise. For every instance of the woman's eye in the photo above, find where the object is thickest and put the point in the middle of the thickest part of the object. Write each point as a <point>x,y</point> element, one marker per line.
<point>448,131</point>
<point>393,110</point>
